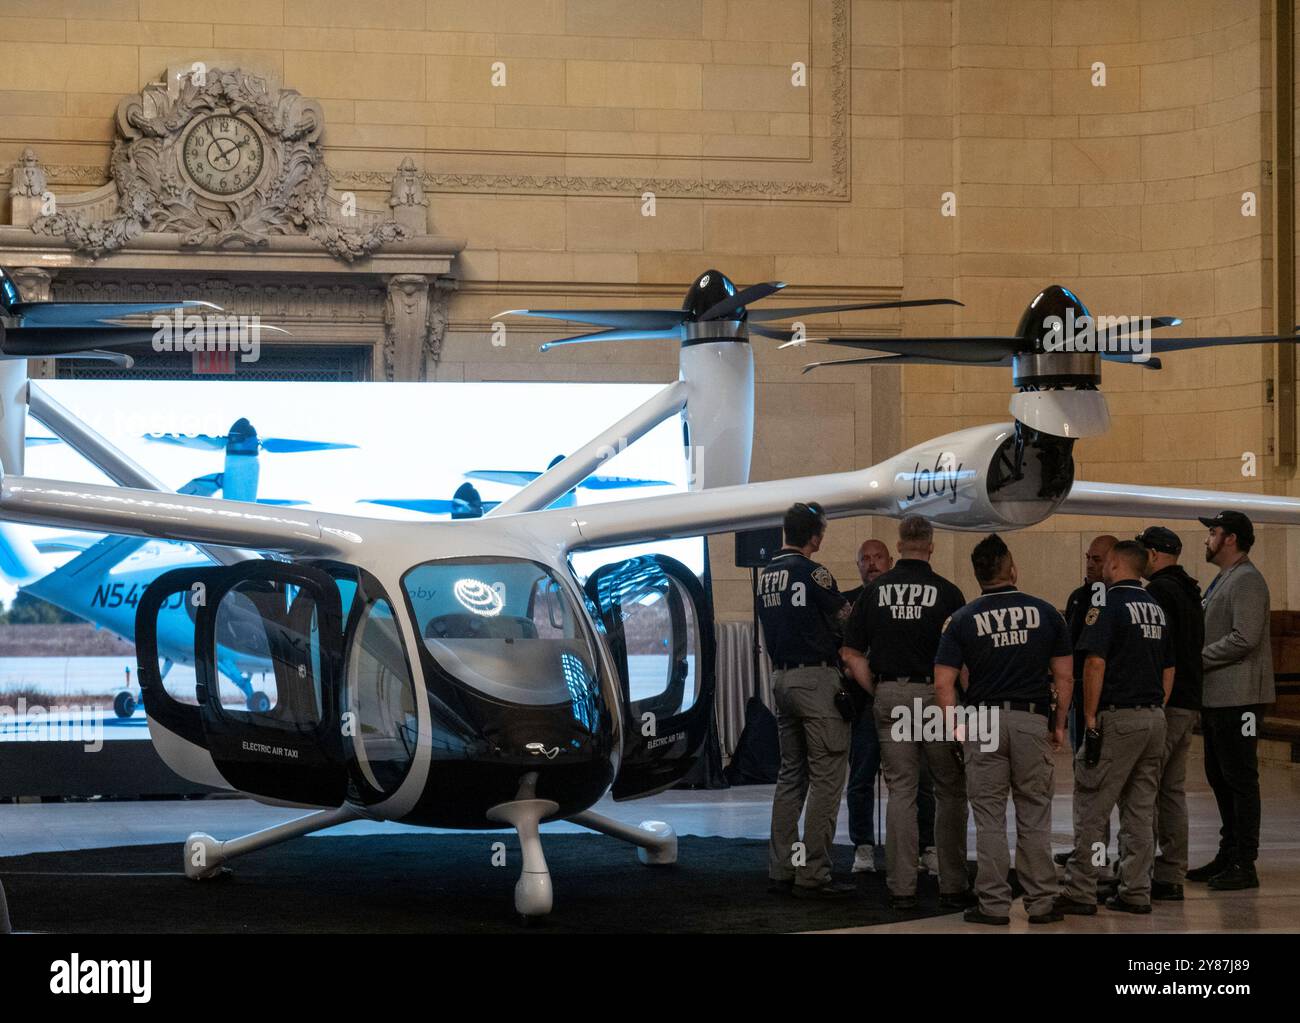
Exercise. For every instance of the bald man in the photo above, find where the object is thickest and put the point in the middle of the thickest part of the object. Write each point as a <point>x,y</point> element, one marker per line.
<point>864,748</point>
<point>1090,594</point>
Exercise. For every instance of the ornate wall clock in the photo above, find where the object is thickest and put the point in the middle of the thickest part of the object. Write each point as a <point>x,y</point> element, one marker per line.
<point>224,154</point>
<point>221,158</point>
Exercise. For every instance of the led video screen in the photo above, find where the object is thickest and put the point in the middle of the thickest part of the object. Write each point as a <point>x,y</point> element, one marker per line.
<point>395,451</point>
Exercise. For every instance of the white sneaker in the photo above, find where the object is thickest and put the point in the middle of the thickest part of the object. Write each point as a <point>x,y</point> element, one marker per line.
<point>930,860</point>
<point>864,860</point>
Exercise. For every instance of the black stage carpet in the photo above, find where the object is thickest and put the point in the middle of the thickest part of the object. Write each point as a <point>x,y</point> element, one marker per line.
<point>439,883</point>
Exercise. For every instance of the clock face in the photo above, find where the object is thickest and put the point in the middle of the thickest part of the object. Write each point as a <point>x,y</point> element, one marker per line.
<point>223,154</point>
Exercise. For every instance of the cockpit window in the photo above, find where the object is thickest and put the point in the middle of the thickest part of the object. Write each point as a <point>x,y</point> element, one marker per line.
<point>507,628</point>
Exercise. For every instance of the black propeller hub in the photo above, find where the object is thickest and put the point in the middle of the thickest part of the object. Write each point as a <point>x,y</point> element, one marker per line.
<point>1052,301</point>
<point>710,288</point>
<point>242,438</point>
<point>1055,310</point>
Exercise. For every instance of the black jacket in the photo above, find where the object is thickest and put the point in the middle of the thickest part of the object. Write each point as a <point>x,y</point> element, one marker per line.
<point>1180,596</point>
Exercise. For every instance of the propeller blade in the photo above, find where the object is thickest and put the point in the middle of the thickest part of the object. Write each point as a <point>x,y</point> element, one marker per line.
<point>979,351</point>
<point>197,441</point>
<point>47,342</point>
<point>119,359</point>
<point>430,505</point>
<point>616,335</point>
<point>203,486</point>
<point>895,360</point>
<point>288,445</point>
<point>779,335</point>
<point>1132,360</point>
<point>722,310</point>
<point>508,477</point>
<point>1156,323</point>
<point>626,319</point>
<point>618,483</point>
<point>88,314</point>
<point>763,315</point>
<point>1180,344</point>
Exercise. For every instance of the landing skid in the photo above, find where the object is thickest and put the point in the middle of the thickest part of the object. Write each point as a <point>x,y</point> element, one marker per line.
<point>204,857</point>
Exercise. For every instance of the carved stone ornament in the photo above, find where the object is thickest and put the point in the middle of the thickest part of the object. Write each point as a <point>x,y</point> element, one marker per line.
<point>221,160</point>
<point>28,177</point>
<point>415,322</point>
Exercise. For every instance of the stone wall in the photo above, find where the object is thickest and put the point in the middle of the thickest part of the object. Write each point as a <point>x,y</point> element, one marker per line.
<point>1130,193</point>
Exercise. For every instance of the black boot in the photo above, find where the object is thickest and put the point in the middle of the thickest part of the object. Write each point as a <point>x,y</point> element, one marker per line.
<point>1166,891</point>
<point>1218,865</point>
<point>1236,878</point>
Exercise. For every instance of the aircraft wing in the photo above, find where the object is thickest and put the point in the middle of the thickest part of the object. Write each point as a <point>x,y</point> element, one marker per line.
<point>718,510</point>
<point>1132,500</point>
<point>168,516</point>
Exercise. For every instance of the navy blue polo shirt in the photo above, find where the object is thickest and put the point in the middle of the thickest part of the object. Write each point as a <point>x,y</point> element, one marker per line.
<point>798,604</point>
<point>1131,634</point>
<point>899,617</point>
<point>1007,640</point>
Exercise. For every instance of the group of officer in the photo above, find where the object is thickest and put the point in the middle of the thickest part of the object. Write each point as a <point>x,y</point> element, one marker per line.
<point>981,694</point>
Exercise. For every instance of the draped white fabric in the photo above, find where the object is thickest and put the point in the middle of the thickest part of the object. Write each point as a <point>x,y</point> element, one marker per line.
<point>736,680</point>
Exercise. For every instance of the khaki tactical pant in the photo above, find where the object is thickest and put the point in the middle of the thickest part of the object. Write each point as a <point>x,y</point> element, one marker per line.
<point>1021,765</point>
<point>814,765</point>
<point>1171,799</point>
<point>900,760</point>
<point>1132,747</point>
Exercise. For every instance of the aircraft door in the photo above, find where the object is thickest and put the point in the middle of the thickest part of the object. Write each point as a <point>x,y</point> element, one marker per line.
<point>268,681</point>
<point>659,625</point>
<point>165,667</point>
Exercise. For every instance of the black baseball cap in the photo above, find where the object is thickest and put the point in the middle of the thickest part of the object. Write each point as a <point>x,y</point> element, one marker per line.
<point>1158,538</point>
<point>1235,522</point>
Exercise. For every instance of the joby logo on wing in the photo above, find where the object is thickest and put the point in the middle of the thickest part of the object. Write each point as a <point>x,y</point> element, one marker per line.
<point>942,479</point>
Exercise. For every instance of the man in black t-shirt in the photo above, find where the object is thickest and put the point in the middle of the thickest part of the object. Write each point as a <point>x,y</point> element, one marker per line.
<point>890,641</point>
<point>1013,647</point>
<point>1127,678</point>
<point>802,613</point>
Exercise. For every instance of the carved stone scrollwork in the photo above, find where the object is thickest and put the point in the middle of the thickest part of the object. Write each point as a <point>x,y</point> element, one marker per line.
<point>288,195</point>
<point>415,322</point>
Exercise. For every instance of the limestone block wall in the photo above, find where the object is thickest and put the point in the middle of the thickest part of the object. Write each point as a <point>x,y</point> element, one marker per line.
<point>1130,192</point>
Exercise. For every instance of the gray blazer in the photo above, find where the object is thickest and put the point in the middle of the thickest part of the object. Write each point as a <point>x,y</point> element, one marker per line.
<point>1238,654</point>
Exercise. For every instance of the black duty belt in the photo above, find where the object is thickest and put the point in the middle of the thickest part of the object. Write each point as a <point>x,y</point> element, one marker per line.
<point>926,680</point>
<point>794,665</point>
<point>1042,707</point>
<point>1132,706</point>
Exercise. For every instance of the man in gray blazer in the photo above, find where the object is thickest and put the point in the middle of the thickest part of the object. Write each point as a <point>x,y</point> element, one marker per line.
<point>1238,663</point>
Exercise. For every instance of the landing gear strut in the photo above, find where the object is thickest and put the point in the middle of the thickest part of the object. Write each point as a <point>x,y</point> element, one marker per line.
<point>204,857</point>
<point>533,895</point>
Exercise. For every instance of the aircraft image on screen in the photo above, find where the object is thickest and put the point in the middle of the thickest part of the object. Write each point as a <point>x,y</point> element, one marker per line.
<point>103,583</point>
<point>467,503</point>
<point>454,674</point>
